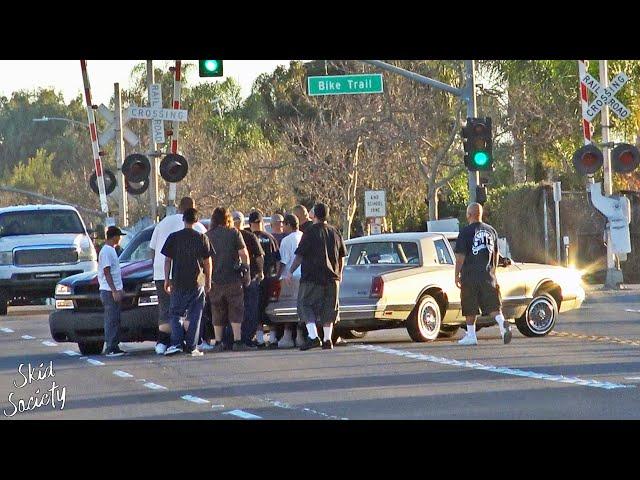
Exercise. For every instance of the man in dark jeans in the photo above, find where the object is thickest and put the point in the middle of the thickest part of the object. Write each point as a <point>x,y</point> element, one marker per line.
<point>256,272</point>
<point>187,279</point>
<point>111,290</point>
<point>272,268</point>
<point>321,253</point>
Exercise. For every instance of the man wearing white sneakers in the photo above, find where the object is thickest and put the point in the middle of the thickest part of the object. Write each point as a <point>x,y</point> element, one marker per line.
<point>170,224</point>
<point>475,275</point>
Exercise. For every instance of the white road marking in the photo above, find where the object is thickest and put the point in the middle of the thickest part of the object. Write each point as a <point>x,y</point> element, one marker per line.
<point>631,310</point>
<point>94,362</point>
<point>288,406</point>
<point>491,368</point>
<point>217,406</point>
<point>154,386</point>
<point>191,398</point>
<point>27,337</point>
<point>71,353</point>
<point>632,378</point>
<point>6,330</point>
<point>243,414</point>
<point>49,344</point>
<point>122,374</point>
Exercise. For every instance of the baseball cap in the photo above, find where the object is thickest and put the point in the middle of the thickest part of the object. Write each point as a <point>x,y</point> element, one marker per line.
<point>114,232</point>
<point>237,215</point>
<point>255,217</point>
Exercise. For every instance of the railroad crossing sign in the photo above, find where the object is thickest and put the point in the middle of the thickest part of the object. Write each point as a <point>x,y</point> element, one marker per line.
<point>156,113</point>
<point>605,96</point>
<point>110,132</point>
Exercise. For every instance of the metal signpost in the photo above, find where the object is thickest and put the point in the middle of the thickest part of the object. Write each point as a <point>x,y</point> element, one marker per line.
<point>345,84</point>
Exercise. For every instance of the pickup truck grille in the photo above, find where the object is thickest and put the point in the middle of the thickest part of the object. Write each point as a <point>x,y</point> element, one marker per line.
<point>52,256</point>
<point>93,302</point>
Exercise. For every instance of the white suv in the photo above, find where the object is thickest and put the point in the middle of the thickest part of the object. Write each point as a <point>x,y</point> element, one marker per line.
<point>39,245</point>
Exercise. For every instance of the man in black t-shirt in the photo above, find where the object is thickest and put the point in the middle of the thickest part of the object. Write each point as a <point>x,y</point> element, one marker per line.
<point>272,268</point>
<point>187,270</point>
<point>476,261</point>
<point>321,253</point>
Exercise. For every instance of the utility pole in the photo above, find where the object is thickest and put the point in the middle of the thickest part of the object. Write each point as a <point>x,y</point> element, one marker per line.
<point>153,180</point>
<point>122,200</point>
<point>472,112</point>
<point>614,276</point>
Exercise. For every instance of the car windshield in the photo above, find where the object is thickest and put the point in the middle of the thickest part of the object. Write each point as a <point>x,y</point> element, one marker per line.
<point>138,247</point>
<point>384,253</point>
<point>35,222</point>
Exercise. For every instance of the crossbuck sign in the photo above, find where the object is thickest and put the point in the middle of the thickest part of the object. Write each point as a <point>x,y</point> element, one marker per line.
<point>157,114</point>
<point>605,96</point>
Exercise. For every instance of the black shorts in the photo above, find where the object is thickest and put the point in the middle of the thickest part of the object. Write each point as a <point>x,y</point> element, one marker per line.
<point>477,295</point>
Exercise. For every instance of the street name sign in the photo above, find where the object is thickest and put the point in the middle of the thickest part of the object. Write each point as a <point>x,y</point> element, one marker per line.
<point>375,203</point>
<point>344,84</point>
<point>605,96</point>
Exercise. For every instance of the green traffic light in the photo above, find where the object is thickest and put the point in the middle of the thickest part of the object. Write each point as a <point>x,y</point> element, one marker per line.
<point>211,65</point>
<point>210,68</point>
<point>480,158</point>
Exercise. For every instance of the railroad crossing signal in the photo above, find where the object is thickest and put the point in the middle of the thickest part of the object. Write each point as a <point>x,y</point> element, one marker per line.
<point>625,158</point>
<point>110,132</point>
<point>478,144</point>
<point>605,96</point>
<point>210,68</point>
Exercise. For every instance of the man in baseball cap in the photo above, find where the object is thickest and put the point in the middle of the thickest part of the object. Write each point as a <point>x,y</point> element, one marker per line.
<point>111,290</point>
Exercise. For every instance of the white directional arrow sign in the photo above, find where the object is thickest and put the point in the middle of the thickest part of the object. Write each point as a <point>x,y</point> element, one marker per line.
<point>605,96</point>
<point>110,132</point>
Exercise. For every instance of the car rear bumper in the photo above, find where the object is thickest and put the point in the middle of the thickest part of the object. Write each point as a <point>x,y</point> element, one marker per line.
<point>136,325</point>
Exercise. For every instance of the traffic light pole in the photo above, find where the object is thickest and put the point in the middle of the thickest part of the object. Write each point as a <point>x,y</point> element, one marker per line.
<point>153,180</point>
<point>470,96</point>
<point>468,93</point>
<point>614,276</point>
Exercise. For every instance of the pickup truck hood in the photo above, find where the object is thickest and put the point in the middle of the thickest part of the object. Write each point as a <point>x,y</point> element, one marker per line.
<point>68,239</point>
<point>130,271</point>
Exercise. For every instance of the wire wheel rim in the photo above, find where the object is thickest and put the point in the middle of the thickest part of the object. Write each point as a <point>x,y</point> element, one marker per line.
<point>541,315</point>
<point>428,320</point>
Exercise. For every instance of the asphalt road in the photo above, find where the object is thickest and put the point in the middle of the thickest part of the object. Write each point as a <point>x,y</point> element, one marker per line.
<point>588,368</point>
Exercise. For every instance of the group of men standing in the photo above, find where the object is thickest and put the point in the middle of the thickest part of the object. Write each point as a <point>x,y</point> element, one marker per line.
<point>236,268</point>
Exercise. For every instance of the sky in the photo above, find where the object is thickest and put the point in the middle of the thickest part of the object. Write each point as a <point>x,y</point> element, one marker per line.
<point>65,75</point>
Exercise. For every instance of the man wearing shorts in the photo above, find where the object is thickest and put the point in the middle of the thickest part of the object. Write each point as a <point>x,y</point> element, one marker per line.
<point>476,260</point>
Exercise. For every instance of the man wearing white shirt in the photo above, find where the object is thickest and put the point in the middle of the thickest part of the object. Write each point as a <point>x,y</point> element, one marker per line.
<point>170,224</point>
<point>111,290</point>
<point>288,247</point>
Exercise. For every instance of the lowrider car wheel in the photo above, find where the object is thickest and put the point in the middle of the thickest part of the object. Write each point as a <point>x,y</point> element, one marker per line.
<point>540,317</point>
<point>424,322</point>
<point>350,334</point>
<point>91,348</point>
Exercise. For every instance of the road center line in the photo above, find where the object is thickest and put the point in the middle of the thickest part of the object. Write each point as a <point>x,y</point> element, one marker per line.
<point>71,353</point>
<point>49,344</point>
<point>288,406</point>
<point>243,414</point>
<point>94,362</point>
<point>191,398</point>
<point>120,373</point>
<point>491,368</point>
<point>27,337</point>
<point>6,330</point>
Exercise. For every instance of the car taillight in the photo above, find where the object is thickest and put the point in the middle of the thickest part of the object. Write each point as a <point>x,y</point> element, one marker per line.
<point>273,290</point>
<point>377,287</point>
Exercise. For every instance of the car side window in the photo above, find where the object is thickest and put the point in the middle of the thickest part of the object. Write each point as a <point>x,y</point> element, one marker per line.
<point>141,252</point>
<point>444,257</point>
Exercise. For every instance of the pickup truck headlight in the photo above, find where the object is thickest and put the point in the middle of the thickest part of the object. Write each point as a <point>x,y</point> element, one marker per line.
<point>64,304</point>
<point>6,258</point>
<point>63,289</point>
<point>87,254</point>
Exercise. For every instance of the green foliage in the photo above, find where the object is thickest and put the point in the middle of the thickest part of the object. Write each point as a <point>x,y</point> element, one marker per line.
<point>36,175</point>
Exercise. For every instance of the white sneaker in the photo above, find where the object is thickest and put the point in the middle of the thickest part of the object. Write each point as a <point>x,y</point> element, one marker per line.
<point>196,353</point>
<point>286,343</point>
<point>507,335</point>
<point>205,347</point>
<point>161,348</point>
<point>468,340</point>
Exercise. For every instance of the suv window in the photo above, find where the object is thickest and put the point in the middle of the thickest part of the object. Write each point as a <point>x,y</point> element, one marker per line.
<point>444,257</point>
<point>383,253</point>
<point>36,222</point>
<point>138,248</point>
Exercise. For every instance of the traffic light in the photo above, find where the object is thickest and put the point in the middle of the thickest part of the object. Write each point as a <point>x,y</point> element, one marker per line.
<point>588,159</point>
<point>477,139</point>
<point>210,68</point>
<point>625,158</point>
